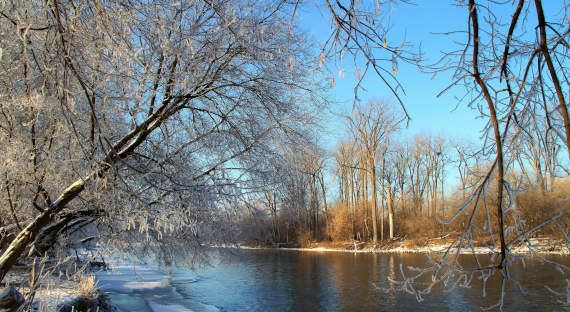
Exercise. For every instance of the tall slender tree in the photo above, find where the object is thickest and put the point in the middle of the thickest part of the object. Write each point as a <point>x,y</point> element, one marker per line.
<point>372,124</point>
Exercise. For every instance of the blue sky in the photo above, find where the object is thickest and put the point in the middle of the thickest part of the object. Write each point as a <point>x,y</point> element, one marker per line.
<point>429,114</point>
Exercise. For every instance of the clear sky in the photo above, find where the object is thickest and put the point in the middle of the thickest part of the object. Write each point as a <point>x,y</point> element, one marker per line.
<point>429,114</point>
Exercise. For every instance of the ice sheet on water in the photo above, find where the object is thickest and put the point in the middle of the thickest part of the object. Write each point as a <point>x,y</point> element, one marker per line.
<point>126,278</point>
<point>157,307</point>
<point>189,306</point>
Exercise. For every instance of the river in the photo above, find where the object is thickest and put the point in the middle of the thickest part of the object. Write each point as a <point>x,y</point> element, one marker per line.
<point>277,280</point>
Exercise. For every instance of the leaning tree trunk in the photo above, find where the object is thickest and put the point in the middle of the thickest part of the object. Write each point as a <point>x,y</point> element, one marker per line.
<point>552,70</point>
<point>29,233</point>
<point>120,150</point>
<point>48,236</point>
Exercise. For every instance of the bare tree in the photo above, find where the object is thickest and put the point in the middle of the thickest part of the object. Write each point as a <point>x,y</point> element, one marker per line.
<point>361,30</point>
<point>344,157</point>
<point>538,148</point>
<point>502,67</point>
<point>372,125</point>
<point>388,179</point>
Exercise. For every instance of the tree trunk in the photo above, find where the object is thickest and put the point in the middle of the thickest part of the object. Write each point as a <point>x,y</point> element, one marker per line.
<point>374,202</point>
<point>341,188</point>
<point>29,233</point>
<point>382,200</point>
<point>364,197</point>
<point>315,204</point>
<point>120,150</point>
<point>390,209</point>
<point>48,236</point>
<point>546,53</point>
<point>495,123</point>
<point>353,203</point>
<point>324,191</point>
<point>442,191</point>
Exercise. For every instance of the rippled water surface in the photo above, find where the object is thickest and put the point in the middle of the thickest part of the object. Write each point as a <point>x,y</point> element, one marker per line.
<point>276,280</point>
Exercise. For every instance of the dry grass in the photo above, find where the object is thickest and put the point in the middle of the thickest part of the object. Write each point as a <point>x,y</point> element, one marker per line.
<point>536,206</point>
<point>87,286</point>
<point>416,243</point>
<point>418,226</point>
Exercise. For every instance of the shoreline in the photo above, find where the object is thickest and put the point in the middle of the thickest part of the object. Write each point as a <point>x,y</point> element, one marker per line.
<point>541,246</point>
<point>51,291</point>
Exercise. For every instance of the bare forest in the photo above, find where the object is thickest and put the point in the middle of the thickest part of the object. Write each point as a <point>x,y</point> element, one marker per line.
<point>165,126</point>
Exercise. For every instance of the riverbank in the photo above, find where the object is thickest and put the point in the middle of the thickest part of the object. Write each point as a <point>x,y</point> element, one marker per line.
<point>51,286</point>
<point>50,292</point>
<point>540,245</point>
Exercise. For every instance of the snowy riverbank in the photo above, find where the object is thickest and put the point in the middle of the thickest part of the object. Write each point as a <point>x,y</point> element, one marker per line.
<point>125,276</point>
<point>544,246</point>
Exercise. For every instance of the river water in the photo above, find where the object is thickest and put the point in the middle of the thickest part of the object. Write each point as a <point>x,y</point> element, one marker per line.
<point>278,280</point>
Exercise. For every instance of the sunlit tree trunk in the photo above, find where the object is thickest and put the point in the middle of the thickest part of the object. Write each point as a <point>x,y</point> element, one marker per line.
<point>390,209</point>
<point>372,164</point>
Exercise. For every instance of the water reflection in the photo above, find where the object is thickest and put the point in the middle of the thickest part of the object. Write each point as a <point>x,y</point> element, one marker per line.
<point>273,280</point>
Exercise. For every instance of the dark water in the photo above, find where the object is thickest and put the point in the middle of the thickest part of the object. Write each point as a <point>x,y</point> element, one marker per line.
<point>273,280</point>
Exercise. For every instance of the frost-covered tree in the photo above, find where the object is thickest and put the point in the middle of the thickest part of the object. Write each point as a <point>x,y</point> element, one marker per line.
<point>145,118</point>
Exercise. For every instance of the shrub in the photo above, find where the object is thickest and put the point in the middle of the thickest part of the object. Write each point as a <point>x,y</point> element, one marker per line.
<point>339,226</point>
<point>536,206</point>
<point>418,226</point>
<point>304,237</point>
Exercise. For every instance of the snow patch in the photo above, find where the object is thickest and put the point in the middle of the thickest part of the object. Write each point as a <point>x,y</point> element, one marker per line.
<point>537,245</point>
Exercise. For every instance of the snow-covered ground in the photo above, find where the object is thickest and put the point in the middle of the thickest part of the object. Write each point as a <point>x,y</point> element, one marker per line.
<point>534,245</point>
<point>51,292</point>
<point>50,295</point>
